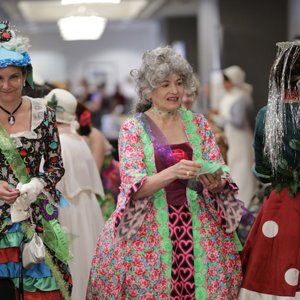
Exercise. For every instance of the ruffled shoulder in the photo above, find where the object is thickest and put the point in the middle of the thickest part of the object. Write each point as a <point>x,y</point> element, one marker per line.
<point>132,123</point>
<point>38,114</point>
<point>199,119</point>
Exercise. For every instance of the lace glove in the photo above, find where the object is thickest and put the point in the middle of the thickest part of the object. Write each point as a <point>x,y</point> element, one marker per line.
<point>29,192</point>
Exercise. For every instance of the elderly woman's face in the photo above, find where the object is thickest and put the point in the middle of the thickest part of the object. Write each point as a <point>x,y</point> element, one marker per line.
<point>168,95</point>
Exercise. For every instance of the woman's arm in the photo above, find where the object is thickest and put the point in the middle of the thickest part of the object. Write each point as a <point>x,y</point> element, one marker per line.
<point>97,144</point>
<point>211,152</point>
<point>133,169</point>
<point>160,180</point>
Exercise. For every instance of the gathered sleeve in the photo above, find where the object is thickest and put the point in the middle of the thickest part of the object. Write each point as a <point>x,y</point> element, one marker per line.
<point>132,167</point>
<point>225,205</point>
<point>130,214</point>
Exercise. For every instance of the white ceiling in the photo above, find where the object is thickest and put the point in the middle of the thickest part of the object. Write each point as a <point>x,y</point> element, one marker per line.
<point>41,16</point>
<point>46,11</point>
<point>51,11</point>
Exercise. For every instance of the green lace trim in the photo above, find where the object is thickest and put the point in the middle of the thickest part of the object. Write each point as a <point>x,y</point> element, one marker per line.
<point>162,217</point>
<point>13,157</point>
<point>238,243</point>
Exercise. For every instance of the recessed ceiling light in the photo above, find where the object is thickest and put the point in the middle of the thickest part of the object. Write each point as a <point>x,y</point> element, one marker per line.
<point>66,2</point>
<point>81,27</point>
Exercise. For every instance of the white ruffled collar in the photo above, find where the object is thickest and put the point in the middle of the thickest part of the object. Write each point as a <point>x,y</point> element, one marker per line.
<point>38,109</point>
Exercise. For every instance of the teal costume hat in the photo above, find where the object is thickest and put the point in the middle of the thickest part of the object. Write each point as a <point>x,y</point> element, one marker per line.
<point>13,50</point>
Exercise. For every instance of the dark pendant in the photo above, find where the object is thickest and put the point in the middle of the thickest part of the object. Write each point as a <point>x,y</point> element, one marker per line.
<point>11,120</point>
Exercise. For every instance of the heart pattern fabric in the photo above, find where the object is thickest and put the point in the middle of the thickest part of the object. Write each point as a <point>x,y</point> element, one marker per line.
<point>180,224</point>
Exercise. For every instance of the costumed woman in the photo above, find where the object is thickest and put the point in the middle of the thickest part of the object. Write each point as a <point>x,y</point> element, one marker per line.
<point>271,257</point>
<point>81,186</point>
<point>170,235</point>
<point>102,151</point>
<point>28,134</point>
<point>233,116</point>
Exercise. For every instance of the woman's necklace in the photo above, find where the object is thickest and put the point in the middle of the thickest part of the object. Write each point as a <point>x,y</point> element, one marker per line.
<point>163,113</point>
<point>11,119</point>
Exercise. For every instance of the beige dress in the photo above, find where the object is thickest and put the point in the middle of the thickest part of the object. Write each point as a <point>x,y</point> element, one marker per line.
<point>83,218</point>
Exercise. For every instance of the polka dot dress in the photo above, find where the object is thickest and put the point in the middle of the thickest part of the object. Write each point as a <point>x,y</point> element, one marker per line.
<point>271,256</point>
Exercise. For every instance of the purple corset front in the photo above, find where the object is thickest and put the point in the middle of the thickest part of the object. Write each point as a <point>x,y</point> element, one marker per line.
<point>175,191</point>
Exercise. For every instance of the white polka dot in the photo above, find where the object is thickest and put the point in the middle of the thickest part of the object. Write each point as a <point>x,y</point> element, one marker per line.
<point>291,276</point>
<point>270,229</point>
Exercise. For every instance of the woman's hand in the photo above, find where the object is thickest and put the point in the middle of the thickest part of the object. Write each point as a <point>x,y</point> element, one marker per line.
<point>185,169</point>
<point>213,182</point>
<point>7,193</point>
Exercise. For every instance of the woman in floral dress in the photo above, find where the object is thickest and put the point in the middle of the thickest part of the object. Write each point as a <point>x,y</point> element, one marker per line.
<point>171,235</point>
<point>28,134</point>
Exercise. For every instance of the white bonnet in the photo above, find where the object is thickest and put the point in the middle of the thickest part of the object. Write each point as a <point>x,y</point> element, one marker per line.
<point>65,107</point>
<point>235,74</point>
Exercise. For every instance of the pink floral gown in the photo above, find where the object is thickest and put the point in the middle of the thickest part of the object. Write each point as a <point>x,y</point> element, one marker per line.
<point>177,251</point>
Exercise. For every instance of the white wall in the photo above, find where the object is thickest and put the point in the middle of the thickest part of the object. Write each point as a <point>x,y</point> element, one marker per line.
<point>294,20</point>
<point>113,56</point>
<point>209,50</point>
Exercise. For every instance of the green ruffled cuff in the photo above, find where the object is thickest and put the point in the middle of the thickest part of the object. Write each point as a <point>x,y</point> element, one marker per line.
<point>12,239</point>
<point>43,284</point>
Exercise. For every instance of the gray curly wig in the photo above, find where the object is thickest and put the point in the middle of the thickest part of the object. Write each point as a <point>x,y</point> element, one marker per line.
<point>157,64</point>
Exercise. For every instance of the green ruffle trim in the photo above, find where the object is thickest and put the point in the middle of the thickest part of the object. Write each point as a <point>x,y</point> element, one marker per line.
<point>33,284</point>
<point>11,239</point>
<point>160,204</point>
<point>162,217</point>
<point>12,156</point>
<point>192,196</point>
<point>238,243</point>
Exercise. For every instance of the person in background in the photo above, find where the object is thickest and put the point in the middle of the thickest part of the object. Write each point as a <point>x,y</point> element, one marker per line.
<point>93,99</point>
<point>29,199</point>
<point>102,151</point>
<point>270,258</point>
<point>128,89</point>
<point>190,97</point>
<point>188,101</point>
<point>39,91</point>
<point>232,116</point>
<point>111,124</point>
<point>118,98</point>
<point>94,137</point>
<point>167,237</point>
<point>81,185</point>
